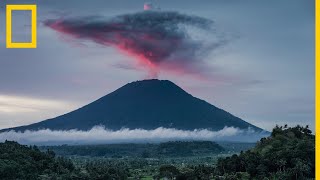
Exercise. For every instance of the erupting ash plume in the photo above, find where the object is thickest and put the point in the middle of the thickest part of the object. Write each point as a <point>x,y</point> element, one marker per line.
<point>158,40</point>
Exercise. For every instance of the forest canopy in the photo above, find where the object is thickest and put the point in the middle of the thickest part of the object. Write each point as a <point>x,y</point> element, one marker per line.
<point>289,153</point>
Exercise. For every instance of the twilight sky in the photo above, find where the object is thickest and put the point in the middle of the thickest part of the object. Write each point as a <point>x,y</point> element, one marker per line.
<point>264,74</point>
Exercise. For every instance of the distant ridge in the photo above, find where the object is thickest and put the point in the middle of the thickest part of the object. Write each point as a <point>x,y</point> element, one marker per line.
<point>146,104</point>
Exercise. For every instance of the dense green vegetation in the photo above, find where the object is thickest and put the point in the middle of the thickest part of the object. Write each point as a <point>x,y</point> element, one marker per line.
<point>28,162</point>
<point>166,149</point>
<point>89,161</point>
<point>287,154</point>
<point>181,148</point>
<point>23,162</point>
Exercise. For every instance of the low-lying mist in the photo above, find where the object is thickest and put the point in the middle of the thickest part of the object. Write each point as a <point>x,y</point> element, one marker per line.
<point>101,135</point>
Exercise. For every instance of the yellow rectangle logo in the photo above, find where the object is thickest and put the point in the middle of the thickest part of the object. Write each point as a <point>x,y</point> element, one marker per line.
<point>33,9</point>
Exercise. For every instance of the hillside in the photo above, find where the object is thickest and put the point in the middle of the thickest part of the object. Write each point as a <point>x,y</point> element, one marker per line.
<point>166,149</point>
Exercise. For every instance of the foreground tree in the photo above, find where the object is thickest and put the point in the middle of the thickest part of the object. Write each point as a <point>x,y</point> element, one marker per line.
<point>289,153</point>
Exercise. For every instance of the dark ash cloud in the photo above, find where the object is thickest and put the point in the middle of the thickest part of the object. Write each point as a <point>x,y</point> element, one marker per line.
<point>158,40</point>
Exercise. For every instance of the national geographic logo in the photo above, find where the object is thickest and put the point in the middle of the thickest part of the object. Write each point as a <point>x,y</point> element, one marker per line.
<point>18,7</point>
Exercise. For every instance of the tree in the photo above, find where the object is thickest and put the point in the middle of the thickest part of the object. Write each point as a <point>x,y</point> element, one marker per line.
<point>168,171</point>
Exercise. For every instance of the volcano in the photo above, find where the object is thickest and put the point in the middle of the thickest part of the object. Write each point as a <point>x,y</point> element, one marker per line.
<point>146,104</point>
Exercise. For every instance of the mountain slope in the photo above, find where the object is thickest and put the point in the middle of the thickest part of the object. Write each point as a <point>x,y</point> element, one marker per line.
<point>146,104</point>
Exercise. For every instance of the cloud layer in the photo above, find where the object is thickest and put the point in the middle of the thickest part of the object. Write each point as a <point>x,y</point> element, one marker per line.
<point>99,134</point>
<point>159,40</point>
